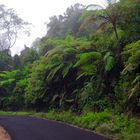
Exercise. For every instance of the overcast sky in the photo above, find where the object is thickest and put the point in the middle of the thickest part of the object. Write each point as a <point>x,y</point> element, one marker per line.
<point>37,12</point>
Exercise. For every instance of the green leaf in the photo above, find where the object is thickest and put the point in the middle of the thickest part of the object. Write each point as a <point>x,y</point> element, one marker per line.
<point>109,61</point>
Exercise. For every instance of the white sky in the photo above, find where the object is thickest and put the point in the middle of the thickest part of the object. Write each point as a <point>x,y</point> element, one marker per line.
<point>37,12</point>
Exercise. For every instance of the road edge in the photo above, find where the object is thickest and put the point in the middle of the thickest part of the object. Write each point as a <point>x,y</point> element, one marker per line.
<point>4,135</point>
<point>75,126</point>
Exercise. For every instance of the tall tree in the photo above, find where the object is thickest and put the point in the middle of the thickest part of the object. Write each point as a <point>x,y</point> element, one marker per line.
<point>102,15</point>
<point>11,24</point>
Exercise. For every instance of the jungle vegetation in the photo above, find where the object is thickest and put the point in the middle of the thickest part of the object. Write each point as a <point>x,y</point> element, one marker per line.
<point>89,60</point>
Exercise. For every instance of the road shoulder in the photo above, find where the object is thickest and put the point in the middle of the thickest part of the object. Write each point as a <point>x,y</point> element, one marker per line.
<point>4,134</point>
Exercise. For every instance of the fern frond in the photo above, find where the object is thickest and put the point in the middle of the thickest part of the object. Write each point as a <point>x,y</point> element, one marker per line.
<point>109,61</point>
<point>87,58</point>
<point>133,91</point>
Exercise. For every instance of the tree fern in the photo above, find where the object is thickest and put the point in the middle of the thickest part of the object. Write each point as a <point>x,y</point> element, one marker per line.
<point>86,70</point>
<point>102,16</point>
<point>87,63</point>
<point>89,57</point>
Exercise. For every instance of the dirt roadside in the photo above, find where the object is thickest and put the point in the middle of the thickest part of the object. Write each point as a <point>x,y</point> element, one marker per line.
<point>3,134</point>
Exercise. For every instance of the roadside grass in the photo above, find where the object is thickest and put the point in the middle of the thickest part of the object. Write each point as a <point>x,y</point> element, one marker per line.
<point>116,126</point>
<point>15,113</point>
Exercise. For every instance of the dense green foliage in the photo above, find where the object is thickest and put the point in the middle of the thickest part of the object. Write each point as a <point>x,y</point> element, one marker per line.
<point>88,61</point>
<point>12,85</point>
<point>70,70</point>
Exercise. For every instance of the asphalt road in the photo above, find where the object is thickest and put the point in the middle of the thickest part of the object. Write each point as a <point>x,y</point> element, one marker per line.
<point>30,128</point>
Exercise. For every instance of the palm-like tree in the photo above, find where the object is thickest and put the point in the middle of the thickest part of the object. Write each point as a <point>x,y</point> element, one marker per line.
<point>103,15</point>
